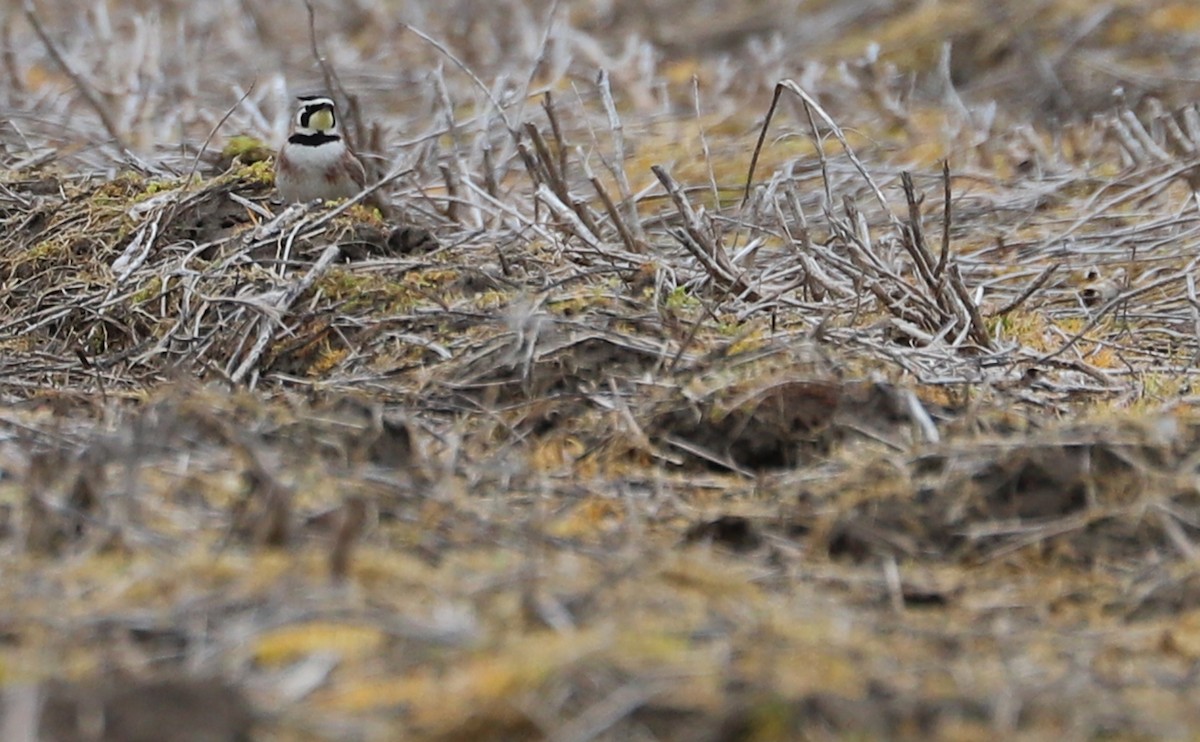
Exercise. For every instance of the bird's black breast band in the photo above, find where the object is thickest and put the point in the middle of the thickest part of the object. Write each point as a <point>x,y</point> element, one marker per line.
<point>313,140</point>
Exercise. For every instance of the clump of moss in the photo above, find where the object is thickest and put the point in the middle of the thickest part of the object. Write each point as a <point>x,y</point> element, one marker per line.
<point>366,214</point>
<point>261,172</point>
<point>149,291</point>
<point>356,291</point>
<point>244,149</point>
<point>122,188</point>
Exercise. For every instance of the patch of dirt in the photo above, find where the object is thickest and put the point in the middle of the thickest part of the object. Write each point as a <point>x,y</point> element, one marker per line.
<point>690,375</point>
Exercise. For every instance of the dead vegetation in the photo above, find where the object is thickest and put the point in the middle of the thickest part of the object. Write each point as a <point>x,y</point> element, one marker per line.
<point>615,425</point>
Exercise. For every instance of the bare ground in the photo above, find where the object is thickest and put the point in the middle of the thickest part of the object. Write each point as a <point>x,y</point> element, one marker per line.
<point>616,426</point>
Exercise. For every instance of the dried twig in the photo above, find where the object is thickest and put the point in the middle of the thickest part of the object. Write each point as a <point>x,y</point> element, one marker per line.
<point>947,211</point>
<point>280,304</point>
<point>1028,291</point>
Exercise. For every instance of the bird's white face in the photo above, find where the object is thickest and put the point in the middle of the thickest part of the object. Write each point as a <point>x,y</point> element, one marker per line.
<point>316,116</point>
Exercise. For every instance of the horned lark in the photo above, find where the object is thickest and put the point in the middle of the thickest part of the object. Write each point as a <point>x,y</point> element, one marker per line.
<point>316,162</point>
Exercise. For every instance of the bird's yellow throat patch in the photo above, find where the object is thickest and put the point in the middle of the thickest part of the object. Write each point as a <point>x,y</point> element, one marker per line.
<point>322,120</point>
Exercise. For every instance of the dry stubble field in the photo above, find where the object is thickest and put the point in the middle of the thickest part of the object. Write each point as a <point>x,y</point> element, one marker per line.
<point>586,439</point>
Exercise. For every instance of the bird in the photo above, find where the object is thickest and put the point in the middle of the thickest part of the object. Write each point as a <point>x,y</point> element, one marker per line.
<point>315,162</point>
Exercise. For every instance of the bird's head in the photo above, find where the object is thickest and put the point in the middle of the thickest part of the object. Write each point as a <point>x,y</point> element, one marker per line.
<point>316,115</point>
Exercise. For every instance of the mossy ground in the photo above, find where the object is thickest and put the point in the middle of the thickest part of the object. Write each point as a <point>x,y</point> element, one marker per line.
<point>560,446</point>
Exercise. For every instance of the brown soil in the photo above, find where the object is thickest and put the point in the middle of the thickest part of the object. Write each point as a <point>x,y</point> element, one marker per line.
<point>611,424</point>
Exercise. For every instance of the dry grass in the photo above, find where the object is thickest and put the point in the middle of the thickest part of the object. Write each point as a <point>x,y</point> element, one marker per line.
<point>602,432</point>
